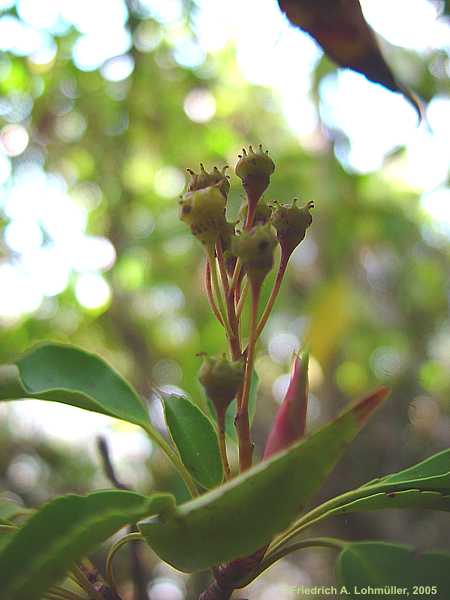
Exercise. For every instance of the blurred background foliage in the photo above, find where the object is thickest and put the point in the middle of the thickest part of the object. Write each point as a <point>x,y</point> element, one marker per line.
<point>103,106</point>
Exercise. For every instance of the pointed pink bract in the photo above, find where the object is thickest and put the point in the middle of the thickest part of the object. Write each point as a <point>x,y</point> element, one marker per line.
<point>290,420</point>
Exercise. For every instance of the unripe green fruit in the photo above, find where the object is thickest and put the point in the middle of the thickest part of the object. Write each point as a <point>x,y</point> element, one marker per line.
<point>204,179</point>
<point>204,211</point>
<point>291,224</point>
<point>263,213</point>
<point>254,164</point>
<point>255,248</point>
<point>221,379</point>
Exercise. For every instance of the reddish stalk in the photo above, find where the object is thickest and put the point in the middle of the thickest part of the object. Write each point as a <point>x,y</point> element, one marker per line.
<point>274,293</point>
<point>242,420</point>
<point>233,334</point>
<point>209,293</point>
<point>222,443</point>
<point>252,201</point>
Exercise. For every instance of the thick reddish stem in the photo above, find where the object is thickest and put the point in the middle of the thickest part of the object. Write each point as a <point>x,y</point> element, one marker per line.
<point>227,577</point>
<point>242,419</point>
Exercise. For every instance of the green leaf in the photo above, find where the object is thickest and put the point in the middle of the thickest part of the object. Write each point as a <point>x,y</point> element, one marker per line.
<point>244,514</point>
<point>397,499</point>
<point>65,530</point>
<point>196,439</point>
<point>436,467</point>
<point>66,374</point>
<point>424,485</point>
<point>393,569</point>
<point>72,376</point>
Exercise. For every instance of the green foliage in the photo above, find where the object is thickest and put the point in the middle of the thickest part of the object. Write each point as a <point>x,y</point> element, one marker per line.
<point>365,565</point>
<point>425,485</point>
<point>70,375</point>
<point>65,530</point>
<point>196,440</point>
<point>245,513</point>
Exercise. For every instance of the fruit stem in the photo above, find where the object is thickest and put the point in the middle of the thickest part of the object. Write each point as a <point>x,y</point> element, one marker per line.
<point>222,443</point>
<point>274,293</point>
<point>234,341</point>
<point>209,292</point>
<point>242,420</point>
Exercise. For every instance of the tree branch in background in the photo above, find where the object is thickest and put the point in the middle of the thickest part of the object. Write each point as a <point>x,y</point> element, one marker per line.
<point>138,575</point>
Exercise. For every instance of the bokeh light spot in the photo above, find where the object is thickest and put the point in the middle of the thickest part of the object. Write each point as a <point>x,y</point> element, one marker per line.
<point>92,291</point>
<point>168,182</point>
<point>200,105</point>
<point>14,139</point>
<point>118,68</point>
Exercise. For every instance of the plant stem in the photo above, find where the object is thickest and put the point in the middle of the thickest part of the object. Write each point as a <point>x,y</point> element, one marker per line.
<point>171,454</point>
<point>222,443</point>
<point>63,594</point>
<point>274,293</point>
<point>228,314</point>
<point>243,296</point>
<point>87,576</point>
<point>138,574</point>
<point>252,201</point>
<point>215,282</point>
<point>209,293</point>
<point>59,594</point>
<point>321,512</point>
<point>222,268</point>
<point>234,341</point>
<point>242,420</point>
<point>108,467</point>
<point>273,557</point>
<point>215,592</point>
<point>135,536</point>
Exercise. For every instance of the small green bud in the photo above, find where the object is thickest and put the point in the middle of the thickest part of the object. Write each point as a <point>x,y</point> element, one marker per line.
<point>255,248</point>
<point>254,164</point>
<point>263,213</point>
<point>204,211</point>
<point>221,379</point>
<point>291,224</point>
<point>204,179</point>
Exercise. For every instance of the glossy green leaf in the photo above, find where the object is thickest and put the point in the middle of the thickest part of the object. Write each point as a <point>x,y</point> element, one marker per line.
<point>245,513</point>
<point>436,466</point>
<point>196,440</point>
<point>398,499</point>
<point>425,485</point>
<point>65,530</point>
<point>396,571</point>
<point>72,376</point>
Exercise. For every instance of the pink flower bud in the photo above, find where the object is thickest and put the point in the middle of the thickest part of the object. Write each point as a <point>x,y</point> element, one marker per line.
<point>290,420</point>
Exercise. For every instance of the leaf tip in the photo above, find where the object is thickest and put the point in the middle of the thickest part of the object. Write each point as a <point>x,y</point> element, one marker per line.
<point>364,409</point>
